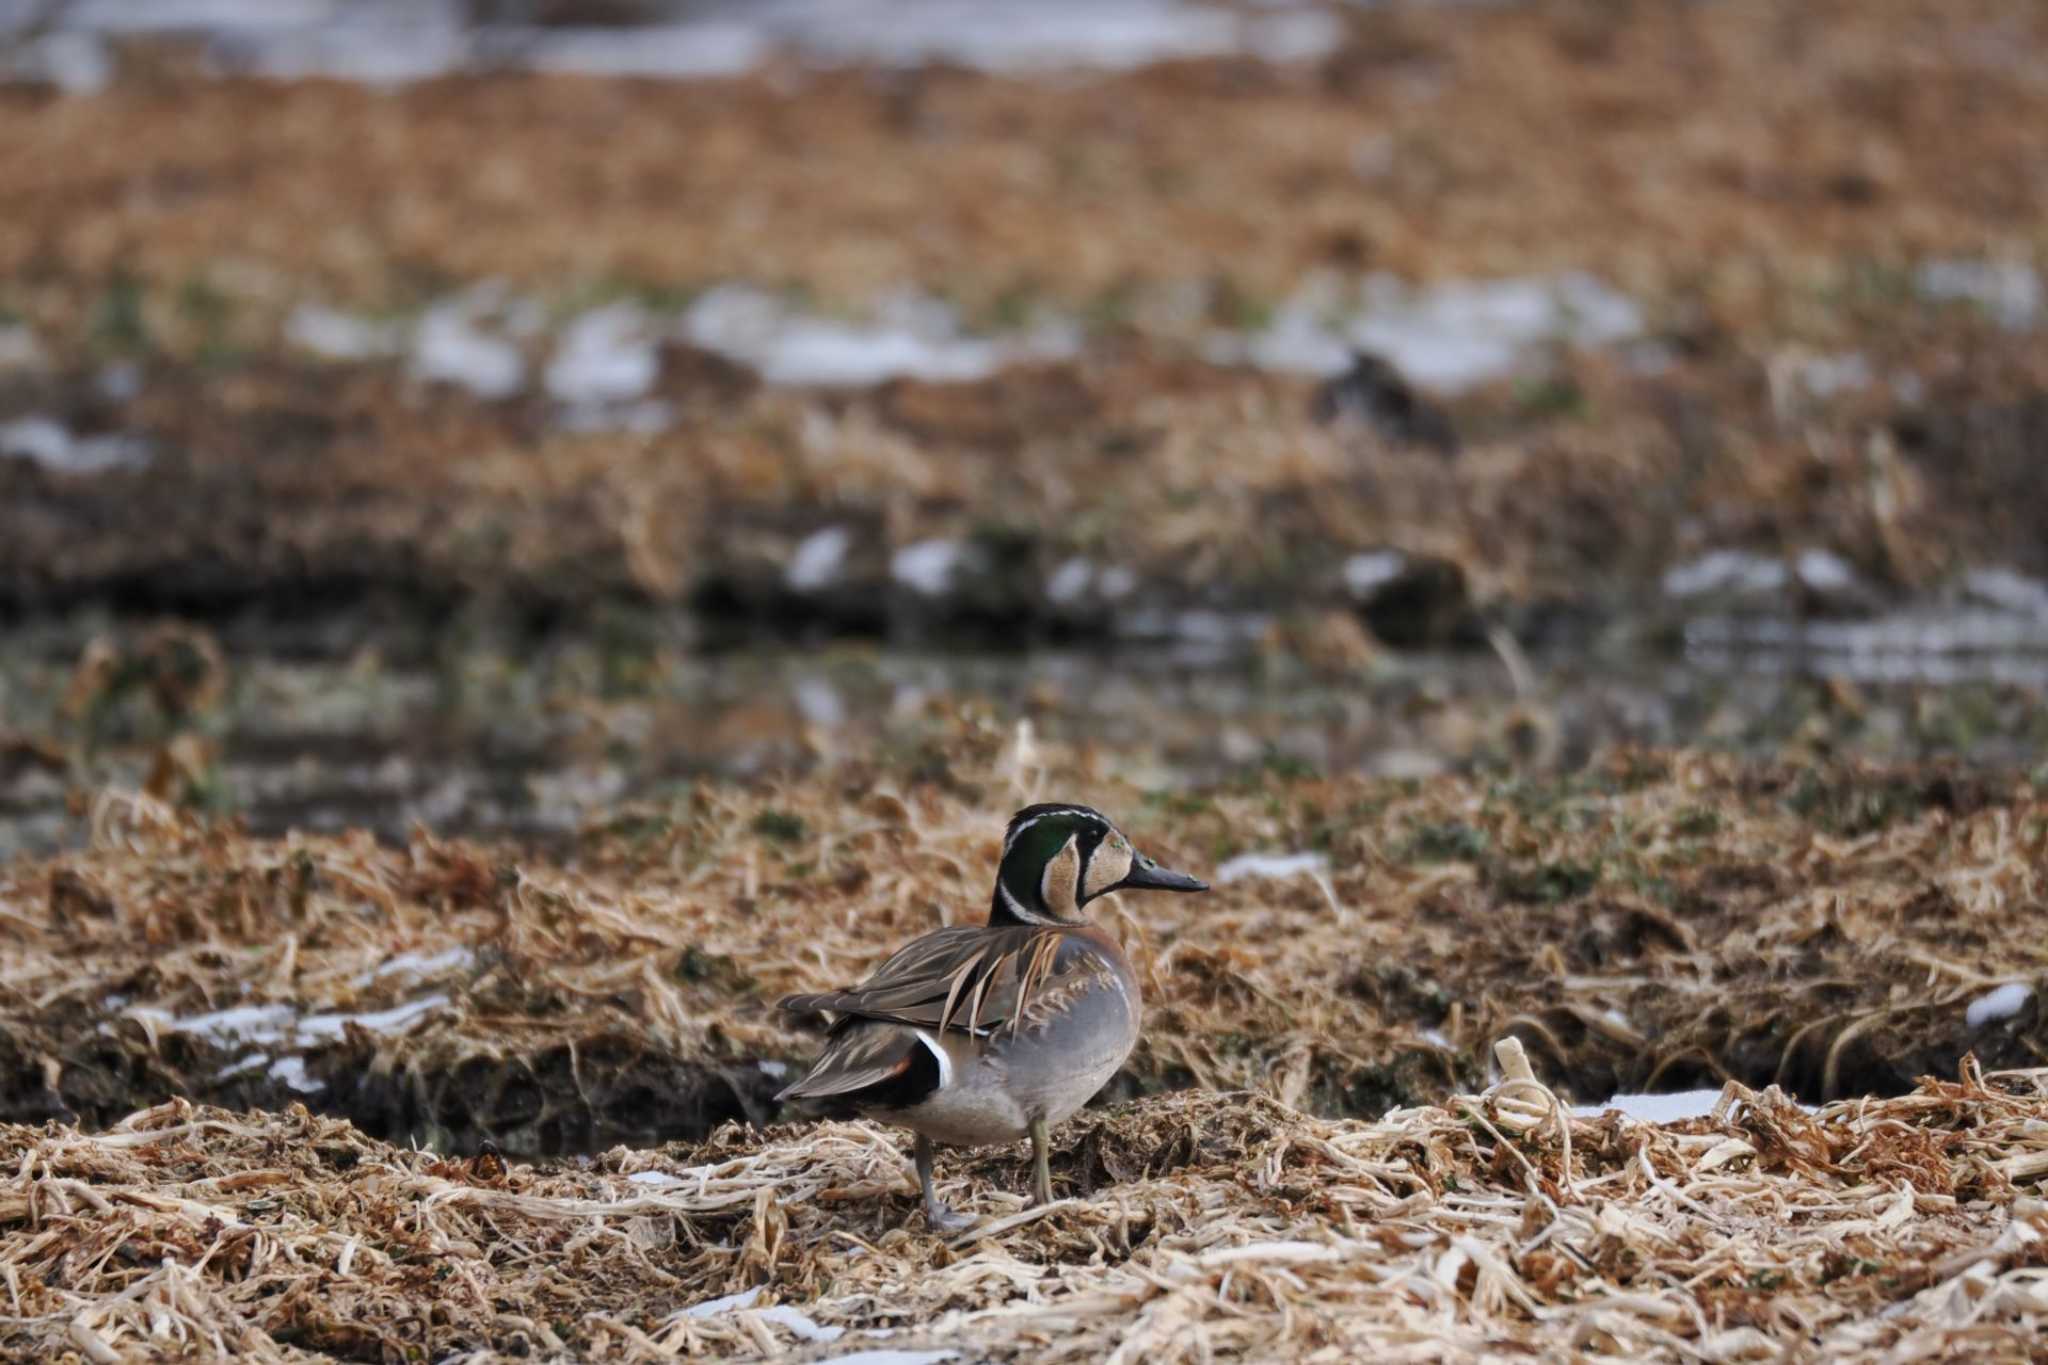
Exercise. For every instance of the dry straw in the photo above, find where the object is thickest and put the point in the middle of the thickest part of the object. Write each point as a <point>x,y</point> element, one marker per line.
<point>1198,1226</point>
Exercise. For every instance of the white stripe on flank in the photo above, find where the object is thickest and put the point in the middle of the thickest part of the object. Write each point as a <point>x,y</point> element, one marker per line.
<point>938,1055</point>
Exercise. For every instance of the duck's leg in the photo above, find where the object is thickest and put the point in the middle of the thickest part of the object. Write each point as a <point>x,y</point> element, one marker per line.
<point>942,1220</point>
<point>1041,1162</point>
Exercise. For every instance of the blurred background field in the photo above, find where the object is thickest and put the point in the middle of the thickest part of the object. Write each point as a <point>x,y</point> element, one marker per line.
<point>530,527</point>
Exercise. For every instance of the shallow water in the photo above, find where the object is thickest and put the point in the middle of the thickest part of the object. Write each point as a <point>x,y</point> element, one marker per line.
<point>530,741</point>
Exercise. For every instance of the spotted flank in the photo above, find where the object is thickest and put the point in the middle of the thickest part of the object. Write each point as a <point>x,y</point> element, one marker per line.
<point>987,1033</point>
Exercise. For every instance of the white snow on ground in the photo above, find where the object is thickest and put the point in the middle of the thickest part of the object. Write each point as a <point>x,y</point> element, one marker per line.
<point>1999,1004</point>
<point>2009,291</point>
<point>671,51</point>
<point>335,335</point>
<point>661,1179</point>
<point>819,703</point>
<point>1685,1104</point>
<point>909,335</point>
<point>818,559</point>
<point>421,964</point>
<point>19,349</point>
<point>1050,33</point>
<point>1275,865</point>
<point>1446,337</point>
<point>1724,571</point>
<point>292,1071</point>
<point>2012,591</point>
<point>927,565</point>
<point>450,347</point>
<point>282,1026</point>
<point>1070,580</point>
<point>1824,571</point>
<point>603,361</point>
<point>802,1324</point>
<point>1364,573</point>
<point>607,355</point>
<point>806,1327</point>
<point>390,41</point>
<point>394,1020</point>
<point>746,1298</point>
<point>51,444</point>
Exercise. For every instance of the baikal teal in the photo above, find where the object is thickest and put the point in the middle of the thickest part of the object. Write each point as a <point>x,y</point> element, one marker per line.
<point>990,1032</point>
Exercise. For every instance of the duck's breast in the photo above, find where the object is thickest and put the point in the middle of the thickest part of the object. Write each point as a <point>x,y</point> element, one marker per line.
<point>1075,1030</point>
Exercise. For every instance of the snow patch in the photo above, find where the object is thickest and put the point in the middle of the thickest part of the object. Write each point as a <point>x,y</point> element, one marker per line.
<point>802,1324</point>
<point>818,559</point>
<point>393,1020</point>
<point>76,63</point>
<point>1724,571</point>
<point>1824,571</point>
<point>420,964</point>
<point>245,1023</point>
<point>390,41</point>
<point>1270,865</point>
<point>52,445</point>
<point>927,566</point>
<point>2009,291</point>
<point>710,1308</point>
<point>819,703</point>
<point>607,355</point>
<point>282,1026</point>
<point>1446,337</point>
<point>2012,591</point>
<point>292,1071</point>
<point>660,1179</point>
<point>450,347</point>
<point>1116,581</point>
<point>19,349</point>
<point>673,51</point>
<point>1048,34</point>
<point>335,335</point>
<point>909,336</point>
<point>1999,1004</point>
<point>1365,574</point>
<point>1070,580</point>
<point>1685,1104</point>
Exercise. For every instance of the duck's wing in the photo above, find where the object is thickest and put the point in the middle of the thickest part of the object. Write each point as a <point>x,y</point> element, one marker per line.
<point>970,977</point>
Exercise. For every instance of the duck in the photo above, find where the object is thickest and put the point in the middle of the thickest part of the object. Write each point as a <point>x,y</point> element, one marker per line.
<point>978,1034</point>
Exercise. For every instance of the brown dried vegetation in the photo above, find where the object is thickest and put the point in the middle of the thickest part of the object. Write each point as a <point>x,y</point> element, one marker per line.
<point>1664,920</point>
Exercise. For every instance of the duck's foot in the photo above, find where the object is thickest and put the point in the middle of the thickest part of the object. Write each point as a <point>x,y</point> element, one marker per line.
<point>1041,1162</point>
<point>942,1220</point>
<point>946,1222</point>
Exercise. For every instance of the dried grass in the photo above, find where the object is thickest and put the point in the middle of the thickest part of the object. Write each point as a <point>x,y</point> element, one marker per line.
<point>1666,919</point>
<point>1646,143</point>
<point>1771,150</point>
<point>1195,1227</point>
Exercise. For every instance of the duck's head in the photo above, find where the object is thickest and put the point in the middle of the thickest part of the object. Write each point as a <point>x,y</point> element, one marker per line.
<point>1059,857</point>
